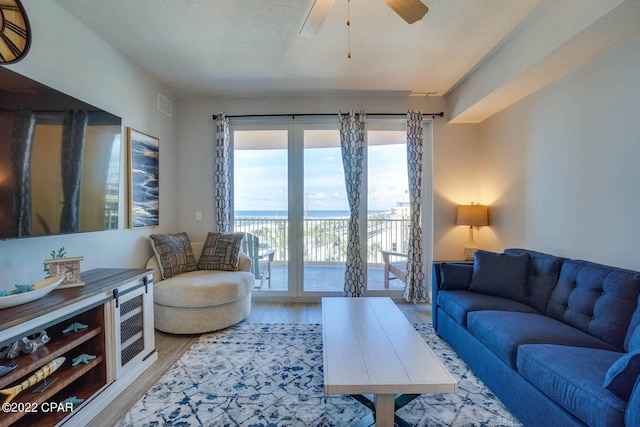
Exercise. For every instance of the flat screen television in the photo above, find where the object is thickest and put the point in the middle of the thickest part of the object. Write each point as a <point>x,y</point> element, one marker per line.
<point>59,161</point>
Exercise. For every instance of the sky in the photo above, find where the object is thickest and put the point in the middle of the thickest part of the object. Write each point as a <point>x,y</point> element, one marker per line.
<point>260,178</point>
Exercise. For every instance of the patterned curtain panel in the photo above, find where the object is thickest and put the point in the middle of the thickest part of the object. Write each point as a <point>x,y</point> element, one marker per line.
<point>74,128</point>
<point>222,185</point>
<point>23,128</point>
<point>352,140</point>
<point>415,290</point>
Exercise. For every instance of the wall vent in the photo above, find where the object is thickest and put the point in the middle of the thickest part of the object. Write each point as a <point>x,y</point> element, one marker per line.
<point>164,105</point>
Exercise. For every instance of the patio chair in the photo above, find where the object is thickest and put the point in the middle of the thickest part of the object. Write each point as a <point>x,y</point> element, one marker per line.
<point>396,268</point>
<point>260,260</point>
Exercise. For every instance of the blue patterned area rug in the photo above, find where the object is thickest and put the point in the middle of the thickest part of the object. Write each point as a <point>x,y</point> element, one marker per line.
<point>268,375</point>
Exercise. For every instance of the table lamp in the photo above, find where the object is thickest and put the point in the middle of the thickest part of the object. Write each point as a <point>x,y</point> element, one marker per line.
<point>472,215</point>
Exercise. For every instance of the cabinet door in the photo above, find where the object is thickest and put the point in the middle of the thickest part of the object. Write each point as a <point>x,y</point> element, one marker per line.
<point>134,335</point>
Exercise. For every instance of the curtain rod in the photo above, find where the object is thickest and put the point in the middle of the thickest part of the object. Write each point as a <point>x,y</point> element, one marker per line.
<point>293,116</point>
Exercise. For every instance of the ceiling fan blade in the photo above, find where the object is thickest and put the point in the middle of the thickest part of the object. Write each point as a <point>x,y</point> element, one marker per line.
<point>316,17</point>
<point>409,10</point>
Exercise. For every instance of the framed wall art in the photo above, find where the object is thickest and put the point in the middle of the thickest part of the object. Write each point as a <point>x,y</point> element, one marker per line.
<point>144,189</point>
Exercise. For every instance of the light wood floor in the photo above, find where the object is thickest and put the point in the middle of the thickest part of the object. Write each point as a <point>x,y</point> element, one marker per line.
<point>171,347</point>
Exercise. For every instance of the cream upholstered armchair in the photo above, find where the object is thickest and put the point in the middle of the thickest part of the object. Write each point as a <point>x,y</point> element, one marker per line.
<point>198,301</point>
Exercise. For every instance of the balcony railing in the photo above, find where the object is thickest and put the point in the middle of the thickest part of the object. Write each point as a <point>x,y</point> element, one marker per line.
<point>325,239</point>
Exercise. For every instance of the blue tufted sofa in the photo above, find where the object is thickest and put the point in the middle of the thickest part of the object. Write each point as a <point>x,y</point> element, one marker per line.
<point>557,340</point>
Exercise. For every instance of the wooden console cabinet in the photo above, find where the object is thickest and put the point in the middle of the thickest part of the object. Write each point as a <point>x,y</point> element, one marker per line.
<point>117,307</point>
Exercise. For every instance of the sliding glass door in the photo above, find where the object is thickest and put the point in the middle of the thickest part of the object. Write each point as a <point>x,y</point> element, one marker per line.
<point>261,200</point>
<point>325,210</point>
<point>289,192</point>
<point>387,202</point>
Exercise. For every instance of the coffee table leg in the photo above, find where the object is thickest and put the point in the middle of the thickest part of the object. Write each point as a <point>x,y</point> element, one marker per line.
<point>370,401</point>
<point>385,409</point>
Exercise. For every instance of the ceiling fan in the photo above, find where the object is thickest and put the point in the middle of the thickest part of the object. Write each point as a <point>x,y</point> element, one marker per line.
<point>409,10</point>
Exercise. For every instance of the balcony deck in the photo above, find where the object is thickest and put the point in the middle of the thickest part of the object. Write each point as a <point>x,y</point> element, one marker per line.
<point>324,249</point>
<point>324,278</point>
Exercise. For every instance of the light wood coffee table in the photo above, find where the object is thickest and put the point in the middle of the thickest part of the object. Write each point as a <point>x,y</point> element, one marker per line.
<point>369,347</point>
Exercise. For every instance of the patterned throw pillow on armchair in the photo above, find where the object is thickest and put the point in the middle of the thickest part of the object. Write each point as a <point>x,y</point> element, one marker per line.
<point>174,253</point>
<point>221,252</point>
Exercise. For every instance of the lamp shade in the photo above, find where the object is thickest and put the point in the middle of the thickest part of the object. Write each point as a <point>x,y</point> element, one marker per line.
<point>474,215</point>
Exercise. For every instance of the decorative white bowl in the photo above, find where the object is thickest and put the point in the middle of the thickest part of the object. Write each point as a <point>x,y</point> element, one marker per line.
<point>40,289</point>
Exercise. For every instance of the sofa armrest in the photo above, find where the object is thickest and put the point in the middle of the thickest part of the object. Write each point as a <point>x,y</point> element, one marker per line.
<point>451,275</point>
<point>152,263</point>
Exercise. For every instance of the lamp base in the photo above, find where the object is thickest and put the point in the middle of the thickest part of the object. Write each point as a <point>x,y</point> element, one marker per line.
<point>470,248</point>
<point>470,253</point>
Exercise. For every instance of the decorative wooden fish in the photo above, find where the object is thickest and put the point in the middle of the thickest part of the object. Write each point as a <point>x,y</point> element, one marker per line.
<point>37,376</point>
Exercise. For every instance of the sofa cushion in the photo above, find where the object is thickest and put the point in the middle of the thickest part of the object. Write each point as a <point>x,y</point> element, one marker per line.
<point>203,288</point>
<point>456,275</point>
<point>221,251</point>
<point>573,376</point>
<point>622,375</point>
<point>458,304</point>
<point>544,270</point>
<point>501,275</point>
<point>244,264</point>
<point>596,299</point>
<point>174,253</point>
<point>503,332</point>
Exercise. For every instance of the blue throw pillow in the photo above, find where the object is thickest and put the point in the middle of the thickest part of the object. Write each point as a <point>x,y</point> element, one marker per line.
<point>456,276</point>
<point>501,275</point>
<point>622,375</point>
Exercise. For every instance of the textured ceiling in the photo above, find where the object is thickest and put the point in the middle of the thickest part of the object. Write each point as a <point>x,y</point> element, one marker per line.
<point>252,48</point>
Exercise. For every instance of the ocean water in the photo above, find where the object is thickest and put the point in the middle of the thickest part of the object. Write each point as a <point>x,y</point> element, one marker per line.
<point>309,214</point>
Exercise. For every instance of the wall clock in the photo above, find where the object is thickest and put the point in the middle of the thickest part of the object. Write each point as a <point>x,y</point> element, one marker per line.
<point>15,33</point>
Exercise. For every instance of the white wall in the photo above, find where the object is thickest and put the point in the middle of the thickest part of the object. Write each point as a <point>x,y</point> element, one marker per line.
<point>455,155</point>
<point>70,58</point>
<point>456,182</point>
<point>561,166</point>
